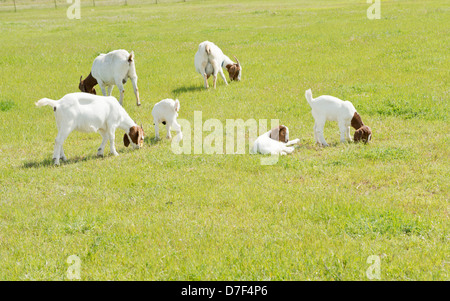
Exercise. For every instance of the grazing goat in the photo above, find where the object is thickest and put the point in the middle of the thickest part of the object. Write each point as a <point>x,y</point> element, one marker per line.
<point>330,108</point>
<point>113,68</point>
<point>91,113</point>
<point>274,142</point>
<point>166,112</point>
<point>209,59</point>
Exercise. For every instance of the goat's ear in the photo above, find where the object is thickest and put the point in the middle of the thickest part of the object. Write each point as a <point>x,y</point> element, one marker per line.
<point>177,105</point>
<point>126,141</point>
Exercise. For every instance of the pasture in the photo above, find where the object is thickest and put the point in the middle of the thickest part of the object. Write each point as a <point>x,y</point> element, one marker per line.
<point>151,214</point>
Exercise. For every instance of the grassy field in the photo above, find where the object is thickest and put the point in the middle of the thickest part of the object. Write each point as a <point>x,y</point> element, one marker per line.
<point>150,214</point>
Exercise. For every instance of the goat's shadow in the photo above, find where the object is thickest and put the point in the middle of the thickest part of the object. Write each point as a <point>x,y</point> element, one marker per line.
<point>185,89</point>
<point>71,160</point>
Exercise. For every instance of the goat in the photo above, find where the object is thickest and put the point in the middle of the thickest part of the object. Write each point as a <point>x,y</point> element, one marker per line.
<point>166,112</point>
<point>91,113</point>
<point>330,108</point>
<point>210,59</point>
<point>113,68</point>
<point>274,142</point>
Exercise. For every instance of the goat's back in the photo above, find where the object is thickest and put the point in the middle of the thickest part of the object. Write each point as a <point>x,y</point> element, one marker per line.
<point>117,63</point>
<point>332,107</point>
<point>88,112</point>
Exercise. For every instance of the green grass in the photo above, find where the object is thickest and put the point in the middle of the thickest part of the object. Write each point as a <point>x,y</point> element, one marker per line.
<point>153,215</point>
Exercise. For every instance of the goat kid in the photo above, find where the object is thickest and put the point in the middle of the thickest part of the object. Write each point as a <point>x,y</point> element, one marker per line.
<point>166,112</point>
<point>209,60</point>
<point>331,108</point>
<point>91,113</point>
<point>113,68</point>
<point>274,142</point>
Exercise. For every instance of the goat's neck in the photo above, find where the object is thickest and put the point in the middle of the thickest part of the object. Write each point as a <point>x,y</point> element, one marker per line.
<point>126,122</point>
<point>356,121</point>
<point>90,81</point>
<point>226,61</point>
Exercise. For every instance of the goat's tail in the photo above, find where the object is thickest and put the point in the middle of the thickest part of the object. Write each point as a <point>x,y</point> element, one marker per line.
<point>208,49</point>
<point>176,106</point>
<point>47,102</point>
<point>131,57</point>
<point>308,95</point>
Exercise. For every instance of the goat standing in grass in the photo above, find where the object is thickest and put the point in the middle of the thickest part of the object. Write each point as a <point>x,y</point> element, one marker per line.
<point>210,59</point>
<point>331,108</point>
<point>113,68</point>
<point>91,113</point>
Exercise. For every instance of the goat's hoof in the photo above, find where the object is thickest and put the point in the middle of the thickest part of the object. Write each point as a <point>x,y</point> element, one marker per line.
<point>55,161</point>
<point>99,155</point>
<point>115,154</point>
<point>138,104</point>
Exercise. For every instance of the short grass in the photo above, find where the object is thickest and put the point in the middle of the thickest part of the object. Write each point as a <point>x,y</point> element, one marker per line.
<point>150,214</point>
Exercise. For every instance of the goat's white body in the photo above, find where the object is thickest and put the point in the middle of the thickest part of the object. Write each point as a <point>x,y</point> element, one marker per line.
<point>167,111</point>
<point>266,145</point>
<point>114,68</point>
<point>86,112</point>
<point>330,108</point>
<point>212,63</point>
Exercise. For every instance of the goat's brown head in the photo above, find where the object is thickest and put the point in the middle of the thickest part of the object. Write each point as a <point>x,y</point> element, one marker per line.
<point>135,136</point>
<point>280,133</point>
<point>363,134</point>
<point>234,70</point>
<point>87,85</point>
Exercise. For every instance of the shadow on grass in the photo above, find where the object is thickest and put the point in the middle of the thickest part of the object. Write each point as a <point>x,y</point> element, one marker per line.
<point>192,88</point>
<point>49,162</point>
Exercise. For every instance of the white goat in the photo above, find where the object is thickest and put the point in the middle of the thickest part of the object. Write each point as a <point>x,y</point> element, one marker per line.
<point>331,108</point>
<point>209,59</point>
<point>113,68</point>
<point>166,112</point>
<point>91,113</point>
<point>274,142</point>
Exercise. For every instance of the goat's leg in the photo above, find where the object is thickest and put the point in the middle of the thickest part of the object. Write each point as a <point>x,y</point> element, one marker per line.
<point>62,156</point>
<point>316,138</point>
<point>177,128</point>
<point>168,123</point>
<point>223,76</point>
<point>319,132</point>
<point>288,150</point>
<point>156,130</point>
<point>110,88</point>
<point>215,71</point>
<point>348,134</point>
<point>205,77</point>
<point>102,87</point>
<point>62,135</point>
<point>136,90</point>
<point>112,136</point>
<point>343,130</point>
<point>101,149</point>
<point>122,91</point>
<point>292,142</point>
